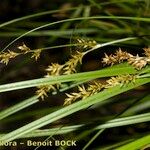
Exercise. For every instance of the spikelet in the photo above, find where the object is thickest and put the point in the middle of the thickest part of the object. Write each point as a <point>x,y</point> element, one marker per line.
<point>69,66</point>
<point>83,93</point>
<point>6,56</point>
<point>120,80</point>
<point>95,87</point>
<point>109,60</point>
<point>118,57</point>
<point>138,62</point>
<point>85,43</point>
<point>54,69</point>
<point>147,52</point>
<point>122,55</point>
<point>24,49</point>
<point>43,90</point>
<point>36,54</point>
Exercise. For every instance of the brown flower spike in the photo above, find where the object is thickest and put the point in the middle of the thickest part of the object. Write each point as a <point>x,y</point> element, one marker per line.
<point>97,87</point>
<point>136,61</point>
<point>83,93</point>
<point>118,57</point>
<point>70,66</point>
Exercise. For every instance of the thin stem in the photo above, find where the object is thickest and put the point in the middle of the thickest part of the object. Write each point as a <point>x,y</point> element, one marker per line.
<point>76,19</point>
<point>109,43</point>
<point>34,15</point>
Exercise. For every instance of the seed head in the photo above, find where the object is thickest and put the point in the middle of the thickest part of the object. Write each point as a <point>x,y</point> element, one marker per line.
<point>70,66</point>
<point>83,92</point>
<point>120,80</point>
<point>6,56</point>
<point>54,69</point>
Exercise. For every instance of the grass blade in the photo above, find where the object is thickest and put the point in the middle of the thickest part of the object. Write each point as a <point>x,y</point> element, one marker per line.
<point>111,71</point>
<point>137,144</point>
<point>72,109</point>
<point>28,102</point>
<point>81,18</point>
<point>109,124</point>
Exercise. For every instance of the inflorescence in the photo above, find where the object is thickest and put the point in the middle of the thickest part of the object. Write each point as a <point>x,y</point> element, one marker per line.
<point>120,56</point>
<point>23,49</point>
<point>70,66</point>
<point>96,87</point>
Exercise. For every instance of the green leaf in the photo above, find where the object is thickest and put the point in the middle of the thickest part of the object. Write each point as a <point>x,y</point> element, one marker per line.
<point>77,19</point>
<point>137,144</point>
<point>109,124</point>
<point>18,107</point>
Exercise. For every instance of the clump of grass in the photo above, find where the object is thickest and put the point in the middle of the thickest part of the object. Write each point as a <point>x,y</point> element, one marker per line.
<point>131,72</point>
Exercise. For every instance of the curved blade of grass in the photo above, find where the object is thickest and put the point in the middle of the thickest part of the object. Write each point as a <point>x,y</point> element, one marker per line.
<point>81,18</point>
<point>15,108</point>
<point>109,124</point>
<point>49,32</point>
<point>107,72</point>
<point>104,95</point>
<point>143,104</point>
<point>137,144</point>
<point>50,12</point>
<point>31,113</point>
<point>113,146</point>
<point>34,15</point>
